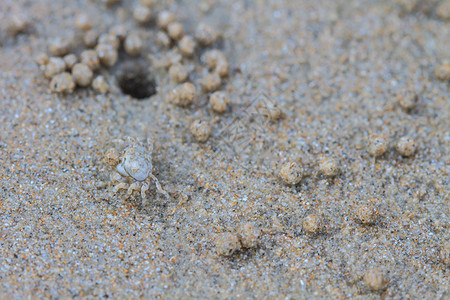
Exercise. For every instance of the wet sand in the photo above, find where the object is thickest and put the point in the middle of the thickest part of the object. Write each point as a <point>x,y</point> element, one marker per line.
<point>333,67</point>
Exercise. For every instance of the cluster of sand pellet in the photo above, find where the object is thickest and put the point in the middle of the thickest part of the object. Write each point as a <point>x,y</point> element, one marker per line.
<point>337,70</point>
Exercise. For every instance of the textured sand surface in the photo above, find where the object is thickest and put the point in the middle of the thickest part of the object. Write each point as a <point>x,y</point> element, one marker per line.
<point>333,67</point>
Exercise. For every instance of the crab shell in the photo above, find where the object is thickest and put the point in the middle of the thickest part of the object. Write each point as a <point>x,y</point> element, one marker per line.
<point>135,163</point>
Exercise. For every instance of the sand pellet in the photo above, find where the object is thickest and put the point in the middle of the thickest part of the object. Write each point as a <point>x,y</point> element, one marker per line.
<point>406,146</point>
<point>142,14</point>
<point>227,244</point>
<point>70,60</point>
<point>291,173</point>
<point>54,66</point>
<point>83,22</point>
<point>183,95</point>
<point>367,214</point>
<point>90,38</point>
<point>133,44</point>
<point>82,74</point>
<point>100,85</point>
<point>206,35</point>
<point>378,145</point>
<point>219,102</point>
<point>90,58</point>
<point>311,224</point>
<point>59,46</point>
<point>249,235</point>
<point>178,72</point>
<point>211,82</point>
<point>375,279</point>
<point>62,83</point>
<point>107,54</point>
<point>164,19</point>
<point>442,72</point>
<point>201,130</point>
<point>175,30</point>
<point>187,45</point>
<point>329,167</point>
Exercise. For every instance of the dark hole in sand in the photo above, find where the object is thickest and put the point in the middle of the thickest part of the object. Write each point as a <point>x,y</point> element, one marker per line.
<point>136,80</point>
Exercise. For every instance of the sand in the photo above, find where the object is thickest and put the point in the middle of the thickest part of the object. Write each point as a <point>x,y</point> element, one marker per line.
<point>332,67</point>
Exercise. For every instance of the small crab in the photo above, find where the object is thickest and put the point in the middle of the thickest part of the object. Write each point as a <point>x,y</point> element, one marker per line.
<point>133,167</point>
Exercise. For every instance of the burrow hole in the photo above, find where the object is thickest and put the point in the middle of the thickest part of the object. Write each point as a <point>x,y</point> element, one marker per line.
<point>136,80</point>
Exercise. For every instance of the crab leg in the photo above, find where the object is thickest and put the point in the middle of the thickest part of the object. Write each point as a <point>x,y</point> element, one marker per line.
<point>133,187</point>
<point>158,186</point>
<point>144,188</point>
<point>121,186</point>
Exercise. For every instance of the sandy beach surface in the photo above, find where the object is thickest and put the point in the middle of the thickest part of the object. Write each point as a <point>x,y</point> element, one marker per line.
<point>338,71</point>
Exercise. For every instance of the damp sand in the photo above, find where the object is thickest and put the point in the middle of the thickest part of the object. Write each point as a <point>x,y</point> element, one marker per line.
<point>333,68</point>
